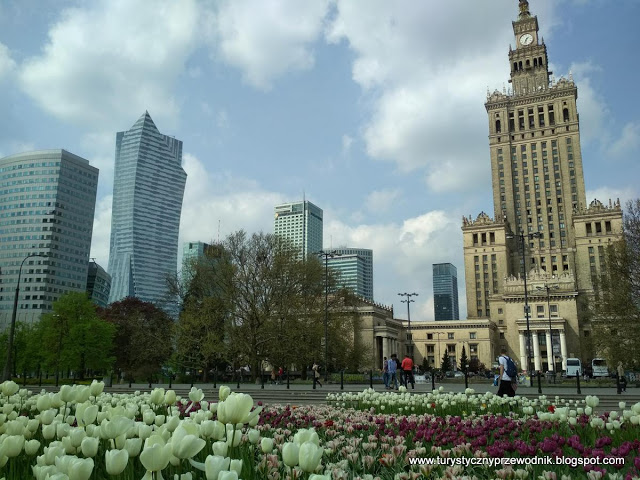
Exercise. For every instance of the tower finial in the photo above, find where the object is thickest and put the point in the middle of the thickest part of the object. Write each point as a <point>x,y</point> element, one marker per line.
<point>524,9</point>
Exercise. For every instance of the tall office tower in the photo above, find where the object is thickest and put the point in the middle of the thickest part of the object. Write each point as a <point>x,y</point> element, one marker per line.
<point>191,252</point>
<point>98,284</point>
<point>147,202</point>
<point>445,291</point>
<point>355,270</point>
<point>47,204</point>
<point>300,222</point>
<point>544,232</point>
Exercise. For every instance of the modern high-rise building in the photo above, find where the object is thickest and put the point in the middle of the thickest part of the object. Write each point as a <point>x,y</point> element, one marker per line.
<point>301,223</point>
<point>354,267</point>
<point>98,284</point>
<point>47,205</point>
<point>148,189</point>
<point>445,292</point>
<point>544,237</point>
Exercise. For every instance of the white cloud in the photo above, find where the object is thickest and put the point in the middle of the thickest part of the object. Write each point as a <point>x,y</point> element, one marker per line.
<point>216,205</point>
<point>604,194</point>
<point>7,64</point>
<point>381,200</point>
<point>347,141</point>
<point>267,39</point>
<point>628,141</point>
<point>404,254</point>
<point>111,58</point>
<point>102,231</point>
<point>423,67</point>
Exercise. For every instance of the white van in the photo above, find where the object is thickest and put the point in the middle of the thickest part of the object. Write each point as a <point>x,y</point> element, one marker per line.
<point>574,367</point>
<point>599,368</point>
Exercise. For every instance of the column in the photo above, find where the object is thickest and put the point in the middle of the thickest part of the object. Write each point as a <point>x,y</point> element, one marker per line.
<point>550,352</point>
<point>563,349</point>
<point>523,352</point>
<point>536,350</point>
<point>385,349</point>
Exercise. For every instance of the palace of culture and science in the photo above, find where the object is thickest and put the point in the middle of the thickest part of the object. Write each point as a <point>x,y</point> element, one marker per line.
<point>543,224</point>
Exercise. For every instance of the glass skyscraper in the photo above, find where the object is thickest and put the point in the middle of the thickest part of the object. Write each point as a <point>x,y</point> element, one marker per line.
<point>147,202</point>
<point>355,269</point>
<point>301,223</point>
<point>445,292</point>
<point>47,204</point>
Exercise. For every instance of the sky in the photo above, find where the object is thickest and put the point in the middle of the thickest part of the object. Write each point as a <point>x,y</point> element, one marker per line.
<point>372,110</point>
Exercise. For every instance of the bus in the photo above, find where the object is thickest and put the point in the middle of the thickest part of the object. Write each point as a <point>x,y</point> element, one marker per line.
<point>574,367</point>
<point>599,368</point>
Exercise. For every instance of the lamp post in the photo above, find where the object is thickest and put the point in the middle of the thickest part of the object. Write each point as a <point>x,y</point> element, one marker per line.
<point>408,301</point>
<point>548,288</point>
<point>522,236</point>
<point>326,255</point>
<point>7,366</point>
<point>439,357</point>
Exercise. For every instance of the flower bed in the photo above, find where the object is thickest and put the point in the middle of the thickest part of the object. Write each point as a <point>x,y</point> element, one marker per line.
<point>81,433</point>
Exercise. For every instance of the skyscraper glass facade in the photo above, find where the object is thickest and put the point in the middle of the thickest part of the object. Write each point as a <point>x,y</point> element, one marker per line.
<point>47,205</point>
<point>355,270</point>
<point>301,223</point>
<point>445,292</point>
<point>148,189</point>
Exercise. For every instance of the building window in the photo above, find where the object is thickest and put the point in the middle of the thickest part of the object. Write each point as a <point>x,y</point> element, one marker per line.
<point>501,335</point>
<point>450,336</point>
<point>429,336</point>
<point>472,335</point>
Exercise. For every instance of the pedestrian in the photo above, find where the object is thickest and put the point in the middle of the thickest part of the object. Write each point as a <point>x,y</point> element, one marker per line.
<point>280,373</point>
<point>398,369</point>
<point>622,380</point>
<point>393,368</point>
<point>506,381</point>
<point>273,376</point>
<point>385,373</point>
<point>316,374</point>
<point>407,372</point>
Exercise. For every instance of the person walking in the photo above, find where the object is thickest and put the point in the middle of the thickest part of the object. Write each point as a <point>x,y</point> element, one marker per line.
<point>505,381</point>
<point>622,380</point>
<point>393,368</point>
<point>280,373</point>
<point>398,369</point>
<point>316,374</point>
<point>385,373</point>
<point>407,372</point>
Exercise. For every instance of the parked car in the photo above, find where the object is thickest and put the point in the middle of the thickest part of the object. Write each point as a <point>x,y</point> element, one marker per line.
<point>458,374</point>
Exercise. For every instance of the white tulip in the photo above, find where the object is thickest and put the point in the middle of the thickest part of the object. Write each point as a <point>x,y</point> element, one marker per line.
<point>290,454</point>
<point>266,445</point>
<point>96,388</point>
<point>223,392</point>
<point>89,446</point>
<point>214,464</point>
<point>116,461</point>
<point>220,448</point>
<point>133,446</point>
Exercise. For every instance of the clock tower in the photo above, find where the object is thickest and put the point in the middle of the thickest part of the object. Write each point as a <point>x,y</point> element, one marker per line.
<point>529,72</point>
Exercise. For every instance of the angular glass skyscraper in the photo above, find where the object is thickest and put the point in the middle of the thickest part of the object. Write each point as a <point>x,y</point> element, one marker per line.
<point>147,202</point>
<point>445,291</point>
<point>355,269</point>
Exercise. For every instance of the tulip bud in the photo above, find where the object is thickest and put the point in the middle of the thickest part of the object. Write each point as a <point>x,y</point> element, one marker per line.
<point>31,447</point>
<point>232,475</point>
<point>236,465</point>
<point>89,446</point>
<point>290,454</point>
<point>220,448</point>
<point>310,456</point>
<point>116,461</point>
<point>170,397</point>
<point>214,465</point>
<point>80,468</point>
<point>223,392</point>
<point>96,388</point>
<point>254,436</point>
<point>266,445</point>
<point>133,446</point>
<point>12,445</point>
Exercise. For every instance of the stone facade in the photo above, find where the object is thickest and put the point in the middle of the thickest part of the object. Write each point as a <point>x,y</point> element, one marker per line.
<point>542,223</point>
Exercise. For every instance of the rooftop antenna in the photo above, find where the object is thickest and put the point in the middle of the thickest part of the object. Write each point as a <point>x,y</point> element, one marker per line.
<point>218,230</point>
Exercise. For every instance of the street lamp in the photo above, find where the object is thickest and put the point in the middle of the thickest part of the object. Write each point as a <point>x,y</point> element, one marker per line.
<point>327,255</point>
<point>408,301</point>
<point>548,288</point>
<point>7,366</point>
<point>522,236</point>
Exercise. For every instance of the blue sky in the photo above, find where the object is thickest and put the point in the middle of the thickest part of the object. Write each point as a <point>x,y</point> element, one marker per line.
<point>372,109</point>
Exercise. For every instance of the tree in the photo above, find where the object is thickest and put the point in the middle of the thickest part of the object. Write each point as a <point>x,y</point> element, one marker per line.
<point>446,362</point>
<point>143,335</point>
<point>74,337</point>
<point>616,302</point>
<point>464,361</point>
<point>476,366</point>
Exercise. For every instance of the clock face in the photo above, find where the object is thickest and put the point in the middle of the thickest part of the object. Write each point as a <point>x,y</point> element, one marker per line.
<point>526,39</point>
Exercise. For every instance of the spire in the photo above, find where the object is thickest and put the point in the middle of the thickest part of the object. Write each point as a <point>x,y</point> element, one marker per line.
<point>524,9</point>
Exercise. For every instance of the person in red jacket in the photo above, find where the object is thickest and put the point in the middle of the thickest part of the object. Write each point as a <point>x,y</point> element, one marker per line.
<point>407,369</point>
